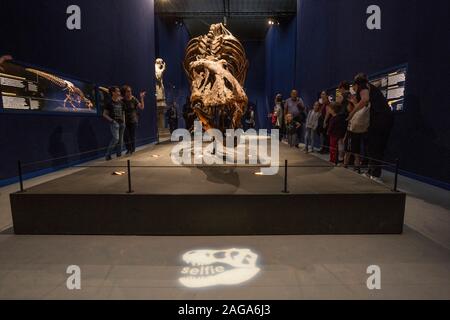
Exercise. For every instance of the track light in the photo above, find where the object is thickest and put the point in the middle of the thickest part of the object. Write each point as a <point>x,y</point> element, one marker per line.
<point>273,22</point>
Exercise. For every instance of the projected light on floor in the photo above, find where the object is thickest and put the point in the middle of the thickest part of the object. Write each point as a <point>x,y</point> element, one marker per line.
<point>209,268</point>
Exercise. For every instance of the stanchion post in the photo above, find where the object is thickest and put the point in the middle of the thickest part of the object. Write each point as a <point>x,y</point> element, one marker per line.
<point>336,162</point>
<point>397,165</point>
<point>130,190</point>
<point>285,177</point>
<point>19,168</point>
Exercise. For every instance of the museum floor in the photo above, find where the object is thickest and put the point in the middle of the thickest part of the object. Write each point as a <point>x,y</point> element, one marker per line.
<point>414,265</point>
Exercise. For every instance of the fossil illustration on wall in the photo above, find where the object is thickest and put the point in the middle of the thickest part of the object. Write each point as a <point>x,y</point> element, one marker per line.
<point>74,95</point>
<point>216,66</point>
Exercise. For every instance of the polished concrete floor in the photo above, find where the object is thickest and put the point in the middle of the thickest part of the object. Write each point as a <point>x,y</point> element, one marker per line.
<point>299,267</point>
<point>415,265</point>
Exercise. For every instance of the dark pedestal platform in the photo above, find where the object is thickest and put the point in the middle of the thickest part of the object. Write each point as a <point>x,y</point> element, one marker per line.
<point>208,201</point>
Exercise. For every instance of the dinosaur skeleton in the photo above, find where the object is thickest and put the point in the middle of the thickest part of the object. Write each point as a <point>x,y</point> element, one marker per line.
<point>216,66</point>
<point>74,95</point>
<point>218,267</point>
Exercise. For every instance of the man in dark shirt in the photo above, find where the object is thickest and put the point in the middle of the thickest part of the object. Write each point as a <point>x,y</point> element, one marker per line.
<point>189,115</point>
<point>132,107</point>
<point>115,114</point>
<point>172,117</point>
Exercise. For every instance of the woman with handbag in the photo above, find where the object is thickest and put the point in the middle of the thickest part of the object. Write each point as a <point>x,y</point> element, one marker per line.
<point>358,125</point>
<point>380,121</point>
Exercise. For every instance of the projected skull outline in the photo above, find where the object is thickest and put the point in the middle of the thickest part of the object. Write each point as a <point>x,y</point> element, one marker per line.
<point>208,268</point>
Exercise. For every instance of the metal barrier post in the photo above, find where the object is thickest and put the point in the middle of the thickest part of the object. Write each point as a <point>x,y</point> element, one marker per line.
<point>397,165</point>
<point>19,167</point>
<point>130,190</point>
<point>285,177</point>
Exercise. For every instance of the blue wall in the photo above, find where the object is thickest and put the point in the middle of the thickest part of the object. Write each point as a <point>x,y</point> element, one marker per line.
<point>171,42</point>
<point>115,46</point>
<point>281,60</point>
<point>333,44</point>
<point>256,79</point>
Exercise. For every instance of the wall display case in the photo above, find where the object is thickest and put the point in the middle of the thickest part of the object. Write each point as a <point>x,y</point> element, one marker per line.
<point>29,89</point>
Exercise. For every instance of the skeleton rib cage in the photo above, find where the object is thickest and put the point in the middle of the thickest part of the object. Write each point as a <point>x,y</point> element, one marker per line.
<point>219,44</point>
<point>216,66</point>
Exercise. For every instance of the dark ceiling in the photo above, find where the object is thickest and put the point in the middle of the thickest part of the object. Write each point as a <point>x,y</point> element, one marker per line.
<point>247,19</point>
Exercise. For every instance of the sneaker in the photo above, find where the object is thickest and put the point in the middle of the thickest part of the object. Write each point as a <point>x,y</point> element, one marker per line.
<point>376,179</point>
<point>119,155</point>
<point>365,175</point>
<point>108,158</point>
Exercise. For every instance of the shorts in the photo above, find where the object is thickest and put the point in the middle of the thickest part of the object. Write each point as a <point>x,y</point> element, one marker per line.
<point>353,142</point>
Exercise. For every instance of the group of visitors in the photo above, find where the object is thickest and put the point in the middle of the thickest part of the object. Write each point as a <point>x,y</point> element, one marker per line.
<point>354,129</point>
<point>289,117</point>
<point>122,112</point>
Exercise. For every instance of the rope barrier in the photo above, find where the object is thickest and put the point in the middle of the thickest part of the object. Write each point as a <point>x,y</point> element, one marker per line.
<point>79,154</point>
<point>361,156</point>
<point>221,166</point>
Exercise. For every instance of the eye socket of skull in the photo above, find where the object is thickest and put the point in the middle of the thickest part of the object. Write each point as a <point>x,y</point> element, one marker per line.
<point>197,104</point>
<point>228,84</point>
<point>220,255</point>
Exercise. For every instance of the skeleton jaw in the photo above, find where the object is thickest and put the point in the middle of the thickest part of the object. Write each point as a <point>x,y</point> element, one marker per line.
<point>225,278</point>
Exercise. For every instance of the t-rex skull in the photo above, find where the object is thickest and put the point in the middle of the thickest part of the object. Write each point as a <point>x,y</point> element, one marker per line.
<point>216,66</point>
<point>218,267</point>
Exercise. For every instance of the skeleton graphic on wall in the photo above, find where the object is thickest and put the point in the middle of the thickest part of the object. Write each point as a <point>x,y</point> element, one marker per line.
<point>74,96</point>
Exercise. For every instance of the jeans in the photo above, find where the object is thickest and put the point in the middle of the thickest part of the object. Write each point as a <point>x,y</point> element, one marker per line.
<point>341,147</point>
<point>325,142</point>
<point>130,137</point>
<point>300,134</point>
<point>310,137</point>
<point>292,139</point>
<point>117,131</point>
